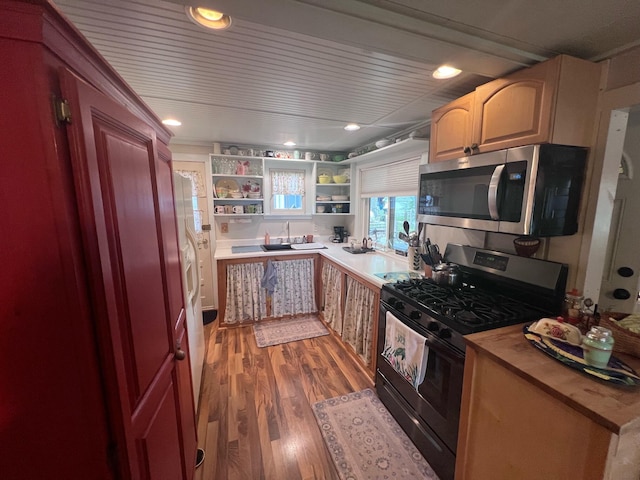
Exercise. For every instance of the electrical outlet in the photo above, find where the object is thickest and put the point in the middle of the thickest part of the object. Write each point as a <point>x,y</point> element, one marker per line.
<point>224,227</point>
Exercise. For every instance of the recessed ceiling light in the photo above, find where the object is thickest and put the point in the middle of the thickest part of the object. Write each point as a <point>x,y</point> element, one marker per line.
<point>352,127</point>
<point>208,18</point>
<point>172,122</point>
<point>289,144</point>
<point>445,71</point>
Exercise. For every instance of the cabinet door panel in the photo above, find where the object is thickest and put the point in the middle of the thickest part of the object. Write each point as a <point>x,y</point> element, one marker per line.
<point>516,110</point>
<point>114,157</point>
<point>451,128</point>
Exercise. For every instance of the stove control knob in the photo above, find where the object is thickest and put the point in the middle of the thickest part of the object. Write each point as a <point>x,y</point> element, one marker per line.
<point>399,305</point>
<point>433,326</point>
<point>445,333</point>
<point>415,315</point>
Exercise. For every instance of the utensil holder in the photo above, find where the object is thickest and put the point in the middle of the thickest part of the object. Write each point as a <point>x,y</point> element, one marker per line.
<point>415,261</point>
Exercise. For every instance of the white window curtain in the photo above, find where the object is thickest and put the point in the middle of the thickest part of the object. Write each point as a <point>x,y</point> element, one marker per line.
<point>396,179</point>
<point>332,296</point>
<point>246,299</point>
<point>287,182</point>
<point>295,291</point>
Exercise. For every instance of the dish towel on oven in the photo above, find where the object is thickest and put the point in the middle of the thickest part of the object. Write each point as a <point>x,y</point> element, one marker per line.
<point>405,350</point>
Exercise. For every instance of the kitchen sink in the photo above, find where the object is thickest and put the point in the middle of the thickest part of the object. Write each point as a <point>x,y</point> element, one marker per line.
<point>276,246</point>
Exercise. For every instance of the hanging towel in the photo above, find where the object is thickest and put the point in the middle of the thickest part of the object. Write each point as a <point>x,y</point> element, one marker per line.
<point>405,350</point>
<point>269,278</point>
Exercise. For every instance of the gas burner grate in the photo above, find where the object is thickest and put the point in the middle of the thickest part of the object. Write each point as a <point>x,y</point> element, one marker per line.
<point>467,304</point>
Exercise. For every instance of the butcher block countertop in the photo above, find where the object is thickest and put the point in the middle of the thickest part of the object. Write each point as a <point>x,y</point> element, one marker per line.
<point>615,408</point>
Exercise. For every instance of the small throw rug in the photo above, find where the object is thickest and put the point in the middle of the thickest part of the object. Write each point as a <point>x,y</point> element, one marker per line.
<point>288,330</point>
<point>366,442</point>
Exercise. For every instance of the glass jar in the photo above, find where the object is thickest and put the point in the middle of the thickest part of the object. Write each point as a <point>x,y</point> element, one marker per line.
<point>572,306</point>
<point>597,346</point>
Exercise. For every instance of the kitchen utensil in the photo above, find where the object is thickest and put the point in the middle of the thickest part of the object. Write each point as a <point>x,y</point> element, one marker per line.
<point>405,226</point>
<point>403,236</point>
<point>446,274</point>
<point>426,258</point>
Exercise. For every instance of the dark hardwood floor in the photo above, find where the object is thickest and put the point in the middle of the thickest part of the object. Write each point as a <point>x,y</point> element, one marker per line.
<point>255,419</point>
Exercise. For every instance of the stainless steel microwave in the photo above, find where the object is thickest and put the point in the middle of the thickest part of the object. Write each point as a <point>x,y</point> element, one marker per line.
<point>532,190</point>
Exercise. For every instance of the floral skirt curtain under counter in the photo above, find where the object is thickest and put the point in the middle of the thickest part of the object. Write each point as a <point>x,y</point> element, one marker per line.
<point>332,296</point>
<point>295,290</point>
<point>359,313</point>
<point>246,299</point>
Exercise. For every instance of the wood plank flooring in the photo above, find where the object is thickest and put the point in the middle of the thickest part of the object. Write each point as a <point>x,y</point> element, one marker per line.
<point>255,419</point>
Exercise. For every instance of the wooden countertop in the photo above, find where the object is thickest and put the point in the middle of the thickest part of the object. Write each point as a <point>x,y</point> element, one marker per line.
<point>615,408</point>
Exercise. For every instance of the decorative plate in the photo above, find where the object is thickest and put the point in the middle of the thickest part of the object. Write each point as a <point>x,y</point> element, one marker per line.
<point>617,372</point>
<point>227,184</point>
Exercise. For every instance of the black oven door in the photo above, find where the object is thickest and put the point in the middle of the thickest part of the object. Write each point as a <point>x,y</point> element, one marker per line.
<point>436,402</point>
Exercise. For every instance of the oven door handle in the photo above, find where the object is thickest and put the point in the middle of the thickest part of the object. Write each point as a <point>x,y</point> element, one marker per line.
<point>492,194</point>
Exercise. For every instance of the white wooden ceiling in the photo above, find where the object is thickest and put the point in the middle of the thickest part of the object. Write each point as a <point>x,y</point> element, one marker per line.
<point>301,69</point>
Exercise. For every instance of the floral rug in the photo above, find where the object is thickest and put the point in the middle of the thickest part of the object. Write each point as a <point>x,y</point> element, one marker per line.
<point>288,330</point>
<point>365,441</point>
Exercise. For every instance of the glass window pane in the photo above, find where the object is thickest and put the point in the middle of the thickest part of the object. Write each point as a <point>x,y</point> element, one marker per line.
<point>386,218</point>
<point>287,202</point>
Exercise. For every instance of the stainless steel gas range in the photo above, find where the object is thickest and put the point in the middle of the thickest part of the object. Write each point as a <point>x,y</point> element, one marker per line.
<point>496,289</point>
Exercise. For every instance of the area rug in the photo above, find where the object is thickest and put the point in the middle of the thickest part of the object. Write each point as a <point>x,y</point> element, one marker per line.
<point>288,330</point>
<point>366,442</point>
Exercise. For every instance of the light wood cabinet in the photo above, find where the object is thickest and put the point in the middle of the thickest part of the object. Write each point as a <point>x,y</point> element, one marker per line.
<point>525,416</point>
<point>551,102</point>
<point>451,129</point>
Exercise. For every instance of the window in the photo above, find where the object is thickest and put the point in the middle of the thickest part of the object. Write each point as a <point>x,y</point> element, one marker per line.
<point>287,190</point>
<point>390,194</point>
<point>386,219</point>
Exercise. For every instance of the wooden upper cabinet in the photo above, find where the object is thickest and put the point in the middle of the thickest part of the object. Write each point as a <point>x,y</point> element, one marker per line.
<point>551,102</point>
<point>451,129</point>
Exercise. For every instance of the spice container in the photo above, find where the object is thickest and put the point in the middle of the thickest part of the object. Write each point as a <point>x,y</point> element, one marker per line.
<point>597,346</point>
<point>572,306</point>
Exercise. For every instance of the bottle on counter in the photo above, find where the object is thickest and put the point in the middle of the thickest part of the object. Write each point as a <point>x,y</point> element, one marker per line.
<point>267,238</point>
<point>572,306</point>
<point>597,346</point>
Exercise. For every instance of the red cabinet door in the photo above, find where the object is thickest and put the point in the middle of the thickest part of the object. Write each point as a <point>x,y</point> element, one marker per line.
<point>133,284</point>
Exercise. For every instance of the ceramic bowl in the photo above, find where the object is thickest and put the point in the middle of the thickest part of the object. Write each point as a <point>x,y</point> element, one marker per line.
<point>382,143</point>
<point>340,198</point>
<point>340,178</point>
<point>324,178</point>
<point>320,208</point>
<point>526,246</point>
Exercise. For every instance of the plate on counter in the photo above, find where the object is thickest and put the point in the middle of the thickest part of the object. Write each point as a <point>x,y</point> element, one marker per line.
<point>617,372</point>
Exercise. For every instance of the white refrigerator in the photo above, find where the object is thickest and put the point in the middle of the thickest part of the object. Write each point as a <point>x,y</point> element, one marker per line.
<point>190,266</point>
